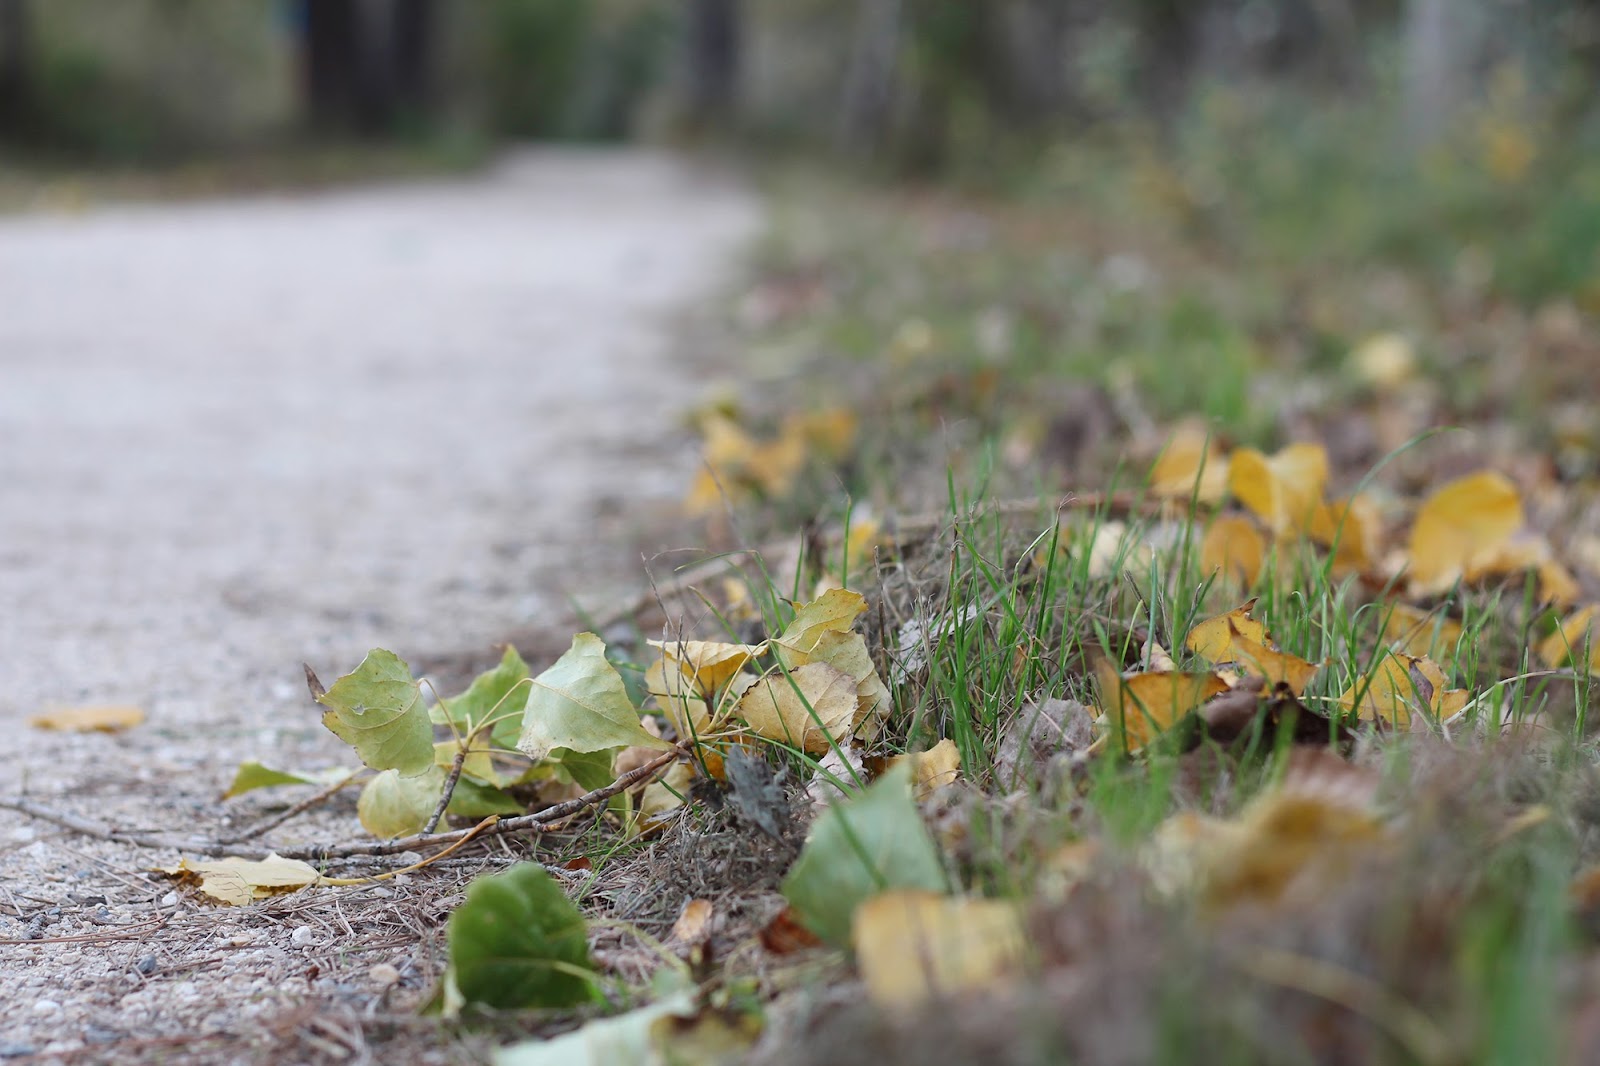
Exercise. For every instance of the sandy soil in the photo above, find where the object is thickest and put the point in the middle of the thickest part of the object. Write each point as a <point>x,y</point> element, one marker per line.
<point>239,435</point>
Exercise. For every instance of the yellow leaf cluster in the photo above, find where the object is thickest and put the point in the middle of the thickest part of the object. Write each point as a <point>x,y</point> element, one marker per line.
<point>736,464</point>
<point>1399,685</point>
<point>916,946</point>
<point>1237,638</point>
<point>1138,707</point>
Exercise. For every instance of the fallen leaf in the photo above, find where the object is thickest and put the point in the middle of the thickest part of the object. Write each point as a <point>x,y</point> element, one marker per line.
<point>1213,638</point>
<point>707,664</point>
<point>915,946</point>
<point>1420,633</point>
<point>581,704</point>
<point>846,652</point>
<point>1283,490</point>
<point>492,694</point>
<point>785,934</point>
<point>834,611</point>
<point>107,719</point>
<point>1398,684</point>
<point>252,775</point>
<point>1235,546</point>
<point>694,922</point>
<point>393,805</point>
<point>1567,644</point>
<point>934,769</point>
<point>622,1040</point>
<point>518,942</point>
<point>240,881</point>
<point>1462,526</point>
<point>1385,361</point>
<point>859,848</point>
<point>1350,528</point>
<point>1140,707</point>
<point>812,708</point>
<point>1191,466</point>
<point>377,709</point>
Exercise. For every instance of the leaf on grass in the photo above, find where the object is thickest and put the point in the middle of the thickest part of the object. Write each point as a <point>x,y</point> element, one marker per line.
<point>492,694</point>
<point>1283,490</point>
<point>834,611</point>
<point>813,707</point>
<point>915,946</point>
<point>1234,545</point>
<point>847,652</point>
<point>859,848</point>
<point>519,942</point>
<point>706,664</point>
<point>676,696</point>
<point>252,775</point>
<point>580,703</point>
<point>1526,551</point>
<point>1213,638</point>
<point>694,922</point>
<point>1567,644</point>
<point>377,709</point>
<point>107,719</point>
<point>1140,707</point>
<point>1460,527</point>
<point>240,881</point>
<point>1399,685</point>
<point>392,805</point>
<point>1351,527</point>
<point>934,769</point>
<point>1191,466</point>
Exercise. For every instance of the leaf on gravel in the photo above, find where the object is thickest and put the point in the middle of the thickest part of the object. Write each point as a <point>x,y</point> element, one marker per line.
<point>378,710</point>
<point>915,946</point>
<point>623,1040</point>
<point>395,806</point>
<point>1234,545</point>
<point>1567,644</point>
<point>834,611</point>
<point>580,703</point>
<point>1191,456</point>
<point>706,664</point>
<point>519,942</point>
<point>934,769</point>
<point>492,694</point>
<point>240,881</point>
<point>1461,527</point>
<point>1283,490</point>
<point>107,719</point>
<point>857,849</point>
<point>1140,707</point>
<point>252,775</point>
<point>812,708</point>
<point>1399,685</point>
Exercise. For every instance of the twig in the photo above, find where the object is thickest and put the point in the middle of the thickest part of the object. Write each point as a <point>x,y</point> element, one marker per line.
<point>449,786</point>
<point>137,929</point>
<point>84,826</point>
<point>299,808</point>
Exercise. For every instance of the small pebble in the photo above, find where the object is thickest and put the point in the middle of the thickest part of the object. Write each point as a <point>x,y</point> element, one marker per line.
<point>384,974</point>
<point>302,936</point>
<point>147,965</point>
<point>15,1051</point>
<point>170,899</point>
<point>46,1006</point>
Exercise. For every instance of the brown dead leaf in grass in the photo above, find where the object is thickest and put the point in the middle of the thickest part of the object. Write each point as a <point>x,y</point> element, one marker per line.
<point>813,707</point>
<point>107,719</point>
<point>1213,638</point>
<point>1420,633</point>
<point>694,922</point>
<point>708,664</point>
<point>1140,707</point>
<point>915,946</point>
<point>1351,529</point>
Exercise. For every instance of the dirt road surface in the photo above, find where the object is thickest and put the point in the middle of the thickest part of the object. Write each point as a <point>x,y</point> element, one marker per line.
<point>238,435</point>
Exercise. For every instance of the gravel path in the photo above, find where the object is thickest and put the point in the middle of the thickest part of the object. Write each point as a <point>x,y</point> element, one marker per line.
<point>239,435</point>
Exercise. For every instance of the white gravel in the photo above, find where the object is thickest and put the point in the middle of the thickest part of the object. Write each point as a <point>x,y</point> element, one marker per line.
<point>238,435</point>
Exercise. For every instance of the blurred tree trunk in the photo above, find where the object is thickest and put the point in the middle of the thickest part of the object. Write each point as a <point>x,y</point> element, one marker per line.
<point>714,37</point>
<point>15,77</point>
<point>1034,37</point>
<point>367,62</point>
<point>1169,42</point>
<point>867,106</point>
<point>1432,67</point>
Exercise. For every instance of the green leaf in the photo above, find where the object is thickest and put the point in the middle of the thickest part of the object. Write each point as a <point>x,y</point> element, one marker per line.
<point>518,941</point>
<point>858,849</point>
<point>624,1040</point>
<point>491,695</point>
<point>589,770</point>
<point>252,775</point>
<point>473,800</point>
<point>396,806</point>
<point>581,703</point>
<point>378,711</point>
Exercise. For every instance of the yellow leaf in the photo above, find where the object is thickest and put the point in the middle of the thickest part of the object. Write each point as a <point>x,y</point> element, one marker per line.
<point>678,698</point>
<point>1420,632</point>
<point>107,719</point>
<point>934,769</point>
<point>1400,684</point>
<point>1384,361</point>
<point>1192,455</point>
<point>709,664</point>
<point>1284,490</point>
<point>833,611</point>
<point>1353,525</point>
<point>1463,526</point>
<point>1235,546</point>
<point>1278,667</point>
<point>774,465</point>
<point>1140,707</point>
<point>812,708</point>
<point>1567,644</point>
<point>831,432</point>
<point>915,946</point>
<point>1213,638</point>
<point>662,797</point>
<point>240,881</point>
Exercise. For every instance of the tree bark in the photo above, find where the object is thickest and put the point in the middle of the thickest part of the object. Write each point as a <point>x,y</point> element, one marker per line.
<point>16,31</point>
<point>714,40</point>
